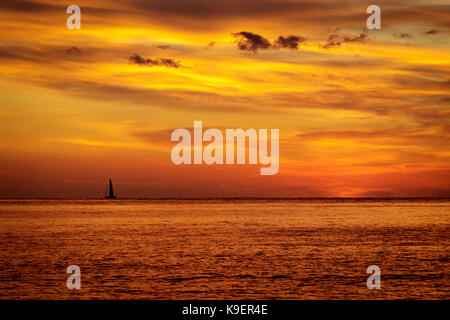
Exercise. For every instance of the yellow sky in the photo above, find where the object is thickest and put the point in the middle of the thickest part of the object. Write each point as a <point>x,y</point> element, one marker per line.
<point>360,113</point>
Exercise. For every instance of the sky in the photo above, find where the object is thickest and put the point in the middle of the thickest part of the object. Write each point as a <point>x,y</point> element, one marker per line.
<point>361,113</point>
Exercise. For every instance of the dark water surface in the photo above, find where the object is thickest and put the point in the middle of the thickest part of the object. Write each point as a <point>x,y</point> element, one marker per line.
<point>217,249</point>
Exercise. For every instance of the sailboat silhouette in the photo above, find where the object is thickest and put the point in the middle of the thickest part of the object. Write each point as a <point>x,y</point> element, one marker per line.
<point>110,194</point>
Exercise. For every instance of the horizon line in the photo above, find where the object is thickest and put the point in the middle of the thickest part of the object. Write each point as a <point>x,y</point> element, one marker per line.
<point>235,198</point>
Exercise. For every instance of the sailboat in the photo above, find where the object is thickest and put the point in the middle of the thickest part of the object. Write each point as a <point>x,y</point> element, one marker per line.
<point>110,194</point>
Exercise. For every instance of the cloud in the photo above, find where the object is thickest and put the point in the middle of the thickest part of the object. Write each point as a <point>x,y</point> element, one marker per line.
<point>170,98</point>
<point>73,51</point>
<point>157,138</point>
<point>423,136</point>
<point>210,45</point>
<point>431,32</point>
<point>46,8</point>
<point>362,37</point>
<point>28,6</point>
<point>404,36</point>
<point>163,46</point>
<point>207,15</point>
<point>166,62</point>
<point>335,40</point>
<point>290,42</point>
<point>204,16</point>
<point>50,55</point>
<point>331,44</point>
<point>248,41</point>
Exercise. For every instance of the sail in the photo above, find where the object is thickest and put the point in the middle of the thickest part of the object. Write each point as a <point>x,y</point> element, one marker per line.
<point>110,194</point>
<point>111,191</point>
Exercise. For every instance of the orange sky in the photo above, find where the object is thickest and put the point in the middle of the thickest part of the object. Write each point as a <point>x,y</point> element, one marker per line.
<point>360,113</point>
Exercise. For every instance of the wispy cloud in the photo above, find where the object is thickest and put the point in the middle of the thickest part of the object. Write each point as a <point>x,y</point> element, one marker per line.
<point>335,40</point>
<point>404,35</point>
<point>431,32</point>
<point>210,45</point>
<point>166,62</point>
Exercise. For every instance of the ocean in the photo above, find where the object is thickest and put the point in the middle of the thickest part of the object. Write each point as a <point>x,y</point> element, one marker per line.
<point>225,248</point>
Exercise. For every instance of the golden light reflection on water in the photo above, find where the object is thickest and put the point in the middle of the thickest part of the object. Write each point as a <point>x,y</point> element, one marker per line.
<point>219,249</point>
